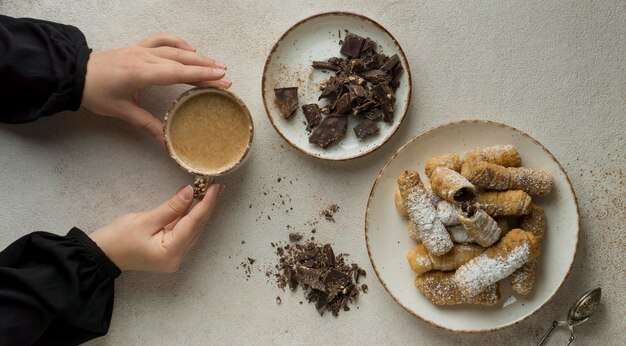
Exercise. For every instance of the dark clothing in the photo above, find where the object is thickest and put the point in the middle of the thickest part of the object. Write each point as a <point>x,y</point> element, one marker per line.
<point>42,68</point>
<point>53,290</point>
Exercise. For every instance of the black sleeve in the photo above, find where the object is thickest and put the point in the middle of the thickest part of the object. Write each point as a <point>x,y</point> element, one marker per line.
<point>55,290</point>
<point>42,68</point>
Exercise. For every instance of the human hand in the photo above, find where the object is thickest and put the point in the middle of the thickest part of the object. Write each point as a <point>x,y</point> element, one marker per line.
<point>115,76</point>
<point>157,240</point>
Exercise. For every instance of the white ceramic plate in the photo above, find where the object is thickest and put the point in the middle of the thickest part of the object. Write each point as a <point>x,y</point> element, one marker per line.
<point>388,242</point>
<point>289,65</point>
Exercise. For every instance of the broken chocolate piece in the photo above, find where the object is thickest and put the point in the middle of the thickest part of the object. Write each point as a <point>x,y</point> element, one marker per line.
<point>332,87</point>
<point>369,46</point>
<point>375,76</point>
<point>325,65</point>
<point>292,280</point>
<point>352,45</point>
<point>365,128</point>
<point>390,63</point>
<point>396,74</point>
<point>385,97</point>
<point>295,237</point>
<point>363,107</point>
<point>329,130</point>
<point>311,277</point>
<point>342,104</point>
<point>312,115</point>
<point>358,90</point>
<point>334,279</point>
<point>373,114</point>
<point>286,100</point>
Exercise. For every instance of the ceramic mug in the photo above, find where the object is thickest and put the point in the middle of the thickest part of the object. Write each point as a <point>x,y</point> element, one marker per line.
<point>204,177</point>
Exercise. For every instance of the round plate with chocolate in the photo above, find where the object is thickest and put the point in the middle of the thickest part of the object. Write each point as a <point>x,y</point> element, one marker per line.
<point>336,86</point>
<point>472,232</point>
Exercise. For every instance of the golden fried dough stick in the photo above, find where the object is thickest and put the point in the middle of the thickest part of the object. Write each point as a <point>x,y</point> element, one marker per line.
<point>451,186</point>
<point>523,279</point>
<point>430,230</point>
<point>480,226</point>
<point>421,261</point>
<point>497,262</point>
<point>441,289</point>
<point>447,160</point>
<point>490,176</point>
<point>504,203</point>
<point>400,204</point>
<point>503,155</point>
<point>459,255</point>
<point>413,233</point>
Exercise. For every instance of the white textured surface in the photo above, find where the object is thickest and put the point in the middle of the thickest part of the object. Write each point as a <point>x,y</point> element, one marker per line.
<point>555,70</point>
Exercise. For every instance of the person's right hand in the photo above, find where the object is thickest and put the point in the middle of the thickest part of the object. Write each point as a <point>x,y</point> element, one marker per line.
<point>115,76</point>
<point>158,239</point>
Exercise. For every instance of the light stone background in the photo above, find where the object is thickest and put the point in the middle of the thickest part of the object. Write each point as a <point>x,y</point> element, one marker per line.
<point>555,69</point>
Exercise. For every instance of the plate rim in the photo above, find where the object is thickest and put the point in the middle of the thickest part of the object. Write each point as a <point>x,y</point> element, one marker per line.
<point>384,169</point>
<point>337,13</point>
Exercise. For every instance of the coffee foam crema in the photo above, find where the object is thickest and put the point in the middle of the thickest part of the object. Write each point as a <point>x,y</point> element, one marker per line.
<point>209,132</point>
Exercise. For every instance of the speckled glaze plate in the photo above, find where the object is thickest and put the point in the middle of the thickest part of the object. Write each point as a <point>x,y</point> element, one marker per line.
<point>289,65</point>
<point>387,240</point>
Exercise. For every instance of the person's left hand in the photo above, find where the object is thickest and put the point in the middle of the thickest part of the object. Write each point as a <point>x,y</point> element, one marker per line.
<point>158,239</point>
<point>115,76</point>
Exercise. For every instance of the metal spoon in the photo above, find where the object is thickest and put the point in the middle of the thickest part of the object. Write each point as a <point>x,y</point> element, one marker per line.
<point>578,313</point>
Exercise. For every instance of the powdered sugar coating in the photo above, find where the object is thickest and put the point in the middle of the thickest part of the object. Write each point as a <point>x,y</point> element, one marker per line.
<point>447,213</point>
<point>476,275</point>
<point>422,213</point>
<point>459,235</point>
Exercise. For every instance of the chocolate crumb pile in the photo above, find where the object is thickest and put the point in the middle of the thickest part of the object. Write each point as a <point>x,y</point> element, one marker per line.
<point>326,278</point>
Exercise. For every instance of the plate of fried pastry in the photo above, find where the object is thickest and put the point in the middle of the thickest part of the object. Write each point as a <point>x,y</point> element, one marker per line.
<point>472,226</point>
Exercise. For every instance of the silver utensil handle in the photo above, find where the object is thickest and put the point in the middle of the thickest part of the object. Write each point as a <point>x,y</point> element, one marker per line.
<point>554,325</point>
<point>571,339</point>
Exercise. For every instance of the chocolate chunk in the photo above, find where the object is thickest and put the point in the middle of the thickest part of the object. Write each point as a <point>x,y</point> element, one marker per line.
<point>311,277</point>
<point>320,301</point>
<point>352,45</point>
<point>375,76</point>
<point>334,279</point>
<point>312,115</point>
<point>292,280</point>
<point>363,107</point>
<point>380,59</point>
<point>358,90</point>
<point>342,104</point>
<point>295,237</point>
<point>366,128</point>
<point>390,63</point>
<point>373,114</point>
<point>329,258</point>
<point>369,46</point>
<point>385,97</point>
<point>331,88</point>
<point>325,65</point>
<point>396,74</point>
<point>286,100</point>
